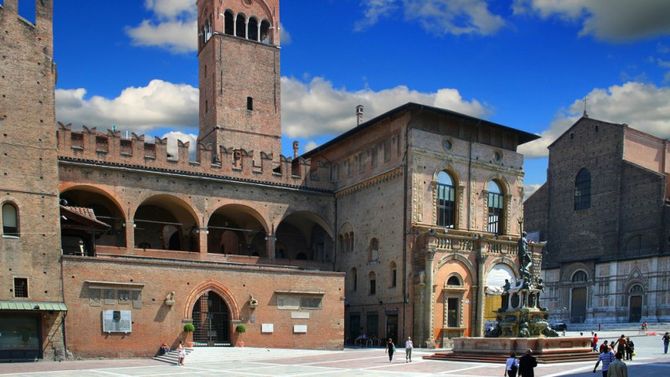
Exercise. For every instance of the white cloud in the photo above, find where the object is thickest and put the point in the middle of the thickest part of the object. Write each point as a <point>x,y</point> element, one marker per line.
<point>170,8</point>
<point>174,26</point>
<point>284,35</point>
<point>441,17</point>
<point>310,145</point>
<point>317,108</point>
<point>173,136</point>
<point>611,20</point>
<point>644,107</point>
<point>141,109</point>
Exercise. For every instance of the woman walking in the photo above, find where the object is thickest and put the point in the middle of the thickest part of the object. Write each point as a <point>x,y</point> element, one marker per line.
<point>511,365</point>
<point>390,349</point>
<point>181,354</point>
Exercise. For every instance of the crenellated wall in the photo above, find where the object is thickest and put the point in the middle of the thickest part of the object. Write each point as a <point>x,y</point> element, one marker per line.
<point>111,148</point>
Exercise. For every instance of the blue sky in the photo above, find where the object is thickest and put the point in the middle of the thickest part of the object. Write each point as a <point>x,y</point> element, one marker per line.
<point>528,64</point>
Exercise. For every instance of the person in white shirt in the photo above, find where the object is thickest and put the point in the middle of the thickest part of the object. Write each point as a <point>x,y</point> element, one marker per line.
<point>511,365</point>
<point>408,350</point>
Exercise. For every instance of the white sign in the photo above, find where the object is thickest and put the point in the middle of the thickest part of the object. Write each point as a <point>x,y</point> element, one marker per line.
<point>300,315</point>
<point>267,328</point>
<point>299,329</point>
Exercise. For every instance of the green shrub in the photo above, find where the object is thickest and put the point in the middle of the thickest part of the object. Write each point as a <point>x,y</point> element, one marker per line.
<point>189,327</point>
<point>240,329</point>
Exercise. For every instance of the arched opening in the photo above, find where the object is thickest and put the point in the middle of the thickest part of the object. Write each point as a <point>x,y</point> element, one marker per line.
<point>354,279</point>
<point>446,200</point>
<point>373,250</point>
<point>583,189</point>
<point>578,297</point>
<point>372,278</point>
<point>10,220</point>
<point>229,22</point>
<point>236,229</point>
<point>302,235</point>
<point>495,208</point>
<point>211,318</point>
<point>105,210</point>
<point>241,25</point>
<point>165,222</point>
<point>253,29</point>
<point>266,36</point>
<point>393,278</point>
<point>496,297</point>
<point>636,295</point>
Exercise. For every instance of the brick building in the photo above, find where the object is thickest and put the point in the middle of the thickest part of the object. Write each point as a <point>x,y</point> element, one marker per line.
<point>605,212</point>
<point>395,228</point>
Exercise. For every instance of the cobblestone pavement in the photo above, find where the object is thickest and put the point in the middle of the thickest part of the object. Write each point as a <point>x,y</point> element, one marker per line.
<point>351,362</point>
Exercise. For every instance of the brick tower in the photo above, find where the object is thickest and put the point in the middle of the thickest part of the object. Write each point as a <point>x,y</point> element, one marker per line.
<point>31,293</point>
<point>238,52</point>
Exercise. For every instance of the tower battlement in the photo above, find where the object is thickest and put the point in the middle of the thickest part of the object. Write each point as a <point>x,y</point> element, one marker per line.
<point>111,148</point>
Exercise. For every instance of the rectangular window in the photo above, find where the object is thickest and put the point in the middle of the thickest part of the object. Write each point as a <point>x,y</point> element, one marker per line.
<point>110,296</point>
<point>373,286</point>
<point>495,203</point>
<point>393,278</point>
<point>445,205</point>
<point>250,103</point>
<point>298,302</point>
<point>20,287</point>
<point>452,312</point>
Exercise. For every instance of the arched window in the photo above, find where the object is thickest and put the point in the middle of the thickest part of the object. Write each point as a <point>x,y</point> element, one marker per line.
<point>354,279</point>
<point>253,29</point>
<point>373,283</point>
<point>454,280</point>
<point>207,30</point>
<point>373,250</point>
<point>394,274</point>
<point>229,23</point>
<point>583,190</point>
<point>446,213</point>
<point>10,220</point>
<point>495,208</point>
<point>265,32</point>
<point>579,277</point>
<point>241,26</point>
<point>351,241</point>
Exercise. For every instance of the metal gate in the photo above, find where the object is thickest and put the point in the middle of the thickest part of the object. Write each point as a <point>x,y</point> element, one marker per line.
<point>211,321</point>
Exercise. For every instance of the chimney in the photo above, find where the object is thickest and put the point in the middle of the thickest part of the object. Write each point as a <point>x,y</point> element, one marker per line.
<point>359,115</point>
<point>295,149</point>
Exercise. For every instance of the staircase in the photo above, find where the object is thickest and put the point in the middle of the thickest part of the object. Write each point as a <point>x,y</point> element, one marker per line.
<point>172,357</point>
<point>549,358</point>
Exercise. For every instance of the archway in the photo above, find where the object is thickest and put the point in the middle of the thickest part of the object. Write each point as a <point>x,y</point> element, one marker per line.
<point>578,297</point>
<point>303,235</point>
<point>106,209</point>
<point>211,318</point>
<point>165,222</point>
<point>236,229</point>
<point>495,293</point>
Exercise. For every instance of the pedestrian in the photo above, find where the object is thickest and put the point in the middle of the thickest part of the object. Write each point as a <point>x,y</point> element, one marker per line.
<point>527,364</point>
<point>511,365</point>
<point>620,345</point>
<point>666,341</point>
<point>630,349</point>
<point>181,354</point>
<point>408,350</point>
<point>390,349</point>
<point>618,368</point>
<point>603,347</point>
<point>606,357</point>
<point>594,342</point>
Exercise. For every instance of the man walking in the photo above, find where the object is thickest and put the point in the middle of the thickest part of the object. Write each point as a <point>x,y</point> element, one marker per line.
<point>666,341</point>
<point>607,358</point>
<point>527,364</point>
<point>618,368</point>
<point>408,350</point>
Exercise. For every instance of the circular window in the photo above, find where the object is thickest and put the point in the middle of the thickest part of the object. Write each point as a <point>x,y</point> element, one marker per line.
<point>447,144</point>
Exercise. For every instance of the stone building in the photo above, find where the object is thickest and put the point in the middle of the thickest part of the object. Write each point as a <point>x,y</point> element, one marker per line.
<point>605,213</point>
<point>399,227</point>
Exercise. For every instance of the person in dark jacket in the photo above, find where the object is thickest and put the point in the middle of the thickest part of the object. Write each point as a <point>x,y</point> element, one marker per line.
<point>527,364</point>
<point>390,349</point>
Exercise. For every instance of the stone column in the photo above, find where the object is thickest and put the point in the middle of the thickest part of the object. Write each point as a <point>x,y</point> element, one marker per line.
<point>428,294</point>
<point>270,241</point>
<point>481,289</point>
<point>203,242</point>
<point>130,234</point>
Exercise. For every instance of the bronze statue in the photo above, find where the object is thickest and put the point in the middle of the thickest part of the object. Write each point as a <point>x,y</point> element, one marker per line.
<point>525,261</point>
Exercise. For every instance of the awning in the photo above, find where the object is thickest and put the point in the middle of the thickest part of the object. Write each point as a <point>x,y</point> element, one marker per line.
<point>33,305</point>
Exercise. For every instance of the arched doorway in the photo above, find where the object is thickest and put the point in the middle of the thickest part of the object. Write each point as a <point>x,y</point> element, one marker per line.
<point>635,303</point>
<point>495,283</point>
<point>211,319</point>
<point>578,298</point>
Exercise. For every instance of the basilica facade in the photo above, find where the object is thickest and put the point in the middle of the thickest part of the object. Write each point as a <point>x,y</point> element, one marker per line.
<point>406,225</point>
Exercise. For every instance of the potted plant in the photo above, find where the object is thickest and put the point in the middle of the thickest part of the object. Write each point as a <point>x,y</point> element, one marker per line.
<point>240,329</point>
<point>188,331</point>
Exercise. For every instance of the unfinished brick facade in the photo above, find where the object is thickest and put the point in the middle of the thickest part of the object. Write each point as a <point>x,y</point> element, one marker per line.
<point>606,258</point>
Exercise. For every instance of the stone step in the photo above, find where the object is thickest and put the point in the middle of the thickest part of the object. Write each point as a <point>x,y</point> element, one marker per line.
<point>172,356</point>
<point>500,359</point>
